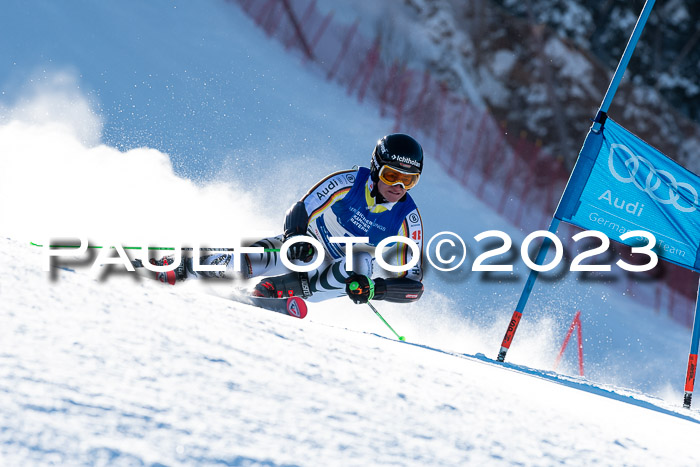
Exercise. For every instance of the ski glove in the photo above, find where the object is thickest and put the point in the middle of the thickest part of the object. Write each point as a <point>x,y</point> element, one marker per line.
<point>359,288</point>
<point>303,251</point>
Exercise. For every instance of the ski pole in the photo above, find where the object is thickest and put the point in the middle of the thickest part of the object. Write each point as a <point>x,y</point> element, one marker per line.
<point>401,338</point>
<point>355,286</point>
<point>267,250</point>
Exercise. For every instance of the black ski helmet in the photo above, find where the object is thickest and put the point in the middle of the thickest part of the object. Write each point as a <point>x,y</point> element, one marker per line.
<point>399,151</point>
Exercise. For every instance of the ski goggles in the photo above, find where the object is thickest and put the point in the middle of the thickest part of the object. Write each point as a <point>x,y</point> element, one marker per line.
<point>392,176</point>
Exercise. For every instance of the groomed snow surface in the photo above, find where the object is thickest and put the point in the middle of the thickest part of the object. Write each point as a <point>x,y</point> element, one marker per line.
<point>131,373</point>
<point>181,121</point>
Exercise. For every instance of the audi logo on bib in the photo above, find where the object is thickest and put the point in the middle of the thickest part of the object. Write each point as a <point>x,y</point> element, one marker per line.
<point>659,184</point>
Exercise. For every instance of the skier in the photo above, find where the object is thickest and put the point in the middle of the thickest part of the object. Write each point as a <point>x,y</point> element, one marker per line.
<point>361,202</point>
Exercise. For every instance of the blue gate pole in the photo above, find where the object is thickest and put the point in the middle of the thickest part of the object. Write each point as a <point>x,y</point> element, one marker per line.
<point>597,126</point>
<point>622,66</point>
<point>518,313</point>
<point>693,357</point>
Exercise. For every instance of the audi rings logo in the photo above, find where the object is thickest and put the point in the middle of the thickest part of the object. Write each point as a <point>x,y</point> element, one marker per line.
<point>659,184</point>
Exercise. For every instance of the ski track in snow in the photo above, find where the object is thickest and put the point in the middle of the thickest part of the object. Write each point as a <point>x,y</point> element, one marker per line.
<point>137,373</point>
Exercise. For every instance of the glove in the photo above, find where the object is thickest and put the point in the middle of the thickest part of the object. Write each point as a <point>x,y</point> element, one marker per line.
<point>359,288</point>
<point>303,251</point>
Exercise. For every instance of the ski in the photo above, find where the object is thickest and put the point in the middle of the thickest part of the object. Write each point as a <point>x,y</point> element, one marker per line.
<point>292,306</point>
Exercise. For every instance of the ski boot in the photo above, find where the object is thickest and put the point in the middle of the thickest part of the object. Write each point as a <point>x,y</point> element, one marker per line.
<point>294,284</point>
<point>185,269</point>
<point>179,274</point>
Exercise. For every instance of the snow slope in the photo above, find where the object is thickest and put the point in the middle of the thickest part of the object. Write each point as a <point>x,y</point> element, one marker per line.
<point>195,130</point>
<point>132,374</point>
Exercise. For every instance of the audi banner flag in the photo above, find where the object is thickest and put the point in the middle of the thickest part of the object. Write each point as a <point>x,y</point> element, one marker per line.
<point>620,184</point>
